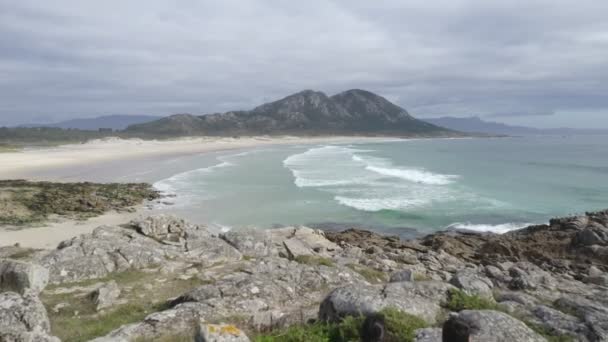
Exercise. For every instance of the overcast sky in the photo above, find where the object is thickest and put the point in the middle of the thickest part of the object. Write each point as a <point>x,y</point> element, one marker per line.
<point>541,63</point>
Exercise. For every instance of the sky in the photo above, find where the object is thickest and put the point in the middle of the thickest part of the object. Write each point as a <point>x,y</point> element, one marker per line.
<point>540,63</point>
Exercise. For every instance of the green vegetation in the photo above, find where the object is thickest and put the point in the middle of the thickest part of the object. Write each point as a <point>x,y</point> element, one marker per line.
<point>399,326</point>
<point>78,320</point>
<point>459,300</point>
<point>371,275</point>
<point>421,277</point>
<point>23,202</point>
<point>314,260</point>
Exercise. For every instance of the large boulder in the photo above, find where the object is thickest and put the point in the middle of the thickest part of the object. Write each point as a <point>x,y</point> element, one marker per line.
<point>23,319</point>
<point>21,277</point>
<point>250,242</point>
<point>111,249</point>
<point>422,299</point>
<point>473,283</point>
<point>303,241</point>
<point>220,333</point>
<point>488,326</point>
<point>106,295</point>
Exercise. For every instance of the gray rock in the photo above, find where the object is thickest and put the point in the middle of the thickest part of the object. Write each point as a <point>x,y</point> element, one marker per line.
<point>472,283</point>
<point>490,326</point>
<point>250,242</point>
<point>163,227</point>
<point>303,241</point>
<point>591,236</point>
<point>428,335</point>
<point>403,275</point>
<point>559,323</point>
<point>23,318</point>
<point>106,295</point>
<point>593,313</point>
<point>21,277</point>
<point>527,276</point>
<point>116,249</point>
<point>220,333</point>
<point>422,299</point>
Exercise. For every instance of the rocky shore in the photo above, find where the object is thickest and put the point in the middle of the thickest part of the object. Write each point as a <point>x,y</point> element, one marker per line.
<point>163,279</point>
<point>24,202</point>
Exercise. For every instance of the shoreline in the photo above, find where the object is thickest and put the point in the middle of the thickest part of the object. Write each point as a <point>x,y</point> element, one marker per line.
<point>49,234</point>
<point>57,163</point>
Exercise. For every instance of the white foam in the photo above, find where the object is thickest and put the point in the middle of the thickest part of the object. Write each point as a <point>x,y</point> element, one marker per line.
<point>414,175</point>
<point>377,204</point>
<point>497,228</point>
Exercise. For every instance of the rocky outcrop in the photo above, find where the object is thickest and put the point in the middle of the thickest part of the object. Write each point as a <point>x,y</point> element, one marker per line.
<point>23,317</point>
<point>267,280</point>
<point>422,299</point>
<point>153,241</point>
<point>488,326</point>
<point>22,277</point>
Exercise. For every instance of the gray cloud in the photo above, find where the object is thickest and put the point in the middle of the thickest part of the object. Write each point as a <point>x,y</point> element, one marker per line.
<point>64,59</point>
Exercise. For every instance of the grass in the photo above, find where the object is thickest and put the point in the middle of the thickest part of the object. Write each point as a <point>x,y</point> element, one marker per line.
<point>460,300</point>
<point>400,327</point>
<point>183,337</point>
<point>314,260</point>
<point>88,324</point>
<point>371,275</point>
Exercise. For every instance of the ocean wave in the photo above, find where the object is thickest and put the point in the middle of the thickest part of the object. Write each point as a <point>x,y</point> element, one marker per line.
<point>378,204</point>
<point>413,175</point>
<point>496,228</point>
<point>180,181</point>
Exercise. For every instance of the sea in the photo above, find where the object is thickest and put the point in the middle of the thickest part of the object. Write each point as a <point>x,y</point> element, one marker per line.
<point>398,187</point>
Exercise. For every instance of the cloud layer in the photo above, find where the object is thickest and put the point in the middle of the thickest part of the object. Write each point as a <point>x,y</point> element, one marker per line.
<point>62,59</point>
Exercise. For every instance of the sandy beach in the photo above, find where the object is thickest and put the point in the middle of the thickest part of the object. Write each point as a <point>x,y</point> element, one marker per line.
<point>117,160</point>
<point>62,163</point>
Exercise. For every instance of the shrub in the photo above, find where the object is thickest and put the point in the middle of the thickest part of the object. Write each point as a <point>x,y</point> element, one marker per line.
<point>460,300</point>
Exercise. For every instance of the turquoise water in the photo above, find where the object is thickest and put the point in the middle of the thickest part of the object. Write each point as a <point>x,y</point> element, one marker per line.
<point>394,186</point>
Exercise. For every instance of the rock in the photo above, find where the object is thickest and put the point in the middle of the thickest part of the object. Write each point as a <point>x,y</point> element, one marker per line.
<point>21,277</point>
<point>597,280</point>
<point>303,241</point>
<point>162,227</point>
<point>527,276</point>
<point>220,333</point>
<point>593,313</point>
<point>472,283</point>
<point>420,299</point>
<point>115,249</point>
<point>106,295</point>
<point>404,275</point>
<point>250,242</point>
<point>23,318</point>
<point>428,335</point>
<point>591,236</point>
<point>559,323</point>
<point>488,326</point>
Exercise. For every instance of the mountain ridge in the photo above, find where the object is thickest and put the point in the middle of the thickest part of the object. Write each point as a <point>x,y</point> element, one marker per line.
<point>353,111</point>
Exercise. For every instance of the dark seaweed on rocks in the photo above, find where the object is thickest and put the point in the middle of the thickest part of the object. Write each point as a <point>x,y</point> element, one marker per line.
<point>23,202</point>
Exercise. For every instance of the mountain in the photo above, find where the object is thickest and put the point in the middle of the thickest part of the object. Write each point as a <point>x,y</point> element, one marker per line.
<point>115,122</point>
<point>476,125</point>
<point>307,112</point>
